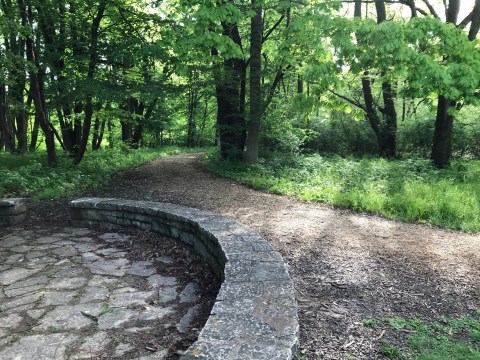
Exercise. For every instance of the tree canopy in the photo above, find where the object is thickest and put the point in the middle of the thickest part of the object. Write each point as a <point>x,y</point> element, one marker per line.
<point>251,76</point>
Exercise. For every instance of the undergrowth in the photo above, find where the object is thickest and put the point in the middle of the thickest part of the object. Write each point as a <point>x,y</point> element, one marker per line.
<point>29,175</point>
<point>410,190</point>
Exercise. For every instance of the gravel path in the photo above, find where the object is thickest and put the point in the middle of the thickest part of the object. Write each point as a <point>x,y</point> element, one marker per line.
<point>347,267</point>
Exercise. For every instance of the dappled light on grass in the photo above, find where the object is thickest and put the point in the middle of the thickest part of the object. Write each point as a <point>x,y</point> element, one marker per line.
<point>410,190</point>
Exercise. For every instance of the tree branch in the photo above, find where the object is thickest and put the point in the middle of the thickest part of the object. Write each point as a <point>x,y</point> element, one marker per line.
<point>351,101</point>
<point>269,32</point>
<point>431,9</point>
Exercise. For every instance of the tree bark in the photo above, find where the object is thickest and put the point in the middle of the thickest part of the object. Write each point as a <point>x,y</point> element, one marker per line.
<point>92,63</point>
<point>230,93</point>
<point>442,136</point>
<point>382,117</point>
<point>442,139</point>
<point>253,131</point>
<point>3,114</point>
<point>34,134</point>
<point>37,89</point>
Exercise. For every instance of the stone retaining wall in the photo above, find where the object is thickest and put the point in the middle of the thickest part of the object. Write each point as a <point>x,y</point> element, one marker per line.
<point>255,314</point>
<point>12,211</point>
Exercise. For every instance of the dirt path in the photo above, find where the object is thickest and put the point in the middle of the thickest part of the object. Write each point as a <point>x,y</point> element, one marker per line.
<point>347,267</point>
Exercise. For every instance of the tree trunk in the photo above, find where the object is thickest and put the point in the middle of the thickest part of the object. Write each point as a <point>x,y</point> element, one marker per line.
<point>110,133</point>
<point>92,63</point>
<point>98,128</point>
<point>230,92</point>
<point>34,134</point>
<point>382,118</point>
<point>255,84</point>
<point>442,139</point>
<point>6,122</point>
<point>3,114</point>
<point>126,122</point>
<point>21,123</point>
<point>192,107</point>
<point>41,114</point>
<point>442,136</point>
<point>37,89</point>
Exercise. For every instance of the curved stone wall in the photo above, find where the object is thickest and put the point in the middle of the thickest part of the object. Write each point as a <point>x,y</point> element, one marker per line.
<point>255,314</point>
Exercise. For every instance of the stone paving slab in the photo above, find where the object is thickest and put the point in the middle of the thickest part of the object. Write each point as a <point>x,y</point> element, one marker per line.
<point>72,293</point>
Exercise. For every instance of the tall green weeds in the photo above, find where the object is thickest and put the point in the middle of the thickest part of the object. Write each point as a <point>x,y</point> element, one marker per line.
<point>410,190</point>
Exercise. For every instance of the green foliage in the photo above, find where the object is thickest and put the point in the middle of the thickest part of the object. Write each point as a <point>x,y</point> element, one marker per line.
<point>30,176</point>
<point>410,190</point>
<point>446,339</point>
<point>371,323</point>
<point>391,352</point>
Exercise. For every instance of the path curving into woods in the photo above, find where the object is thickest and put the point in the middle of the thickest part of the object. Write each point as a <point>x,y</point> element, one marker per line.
<point>347,267</point>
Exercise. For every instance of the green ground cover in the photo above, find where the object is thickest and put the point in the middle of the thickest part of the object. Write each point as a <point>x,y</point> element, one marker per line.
<point>29,175</point>
<point>445,339</point>
<point>410,190</point>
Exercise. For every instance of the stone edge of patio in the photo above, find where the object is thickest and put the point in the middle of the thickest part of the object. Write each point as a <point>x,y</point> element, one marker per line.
<point>12,211</point>
<point>255,315</point>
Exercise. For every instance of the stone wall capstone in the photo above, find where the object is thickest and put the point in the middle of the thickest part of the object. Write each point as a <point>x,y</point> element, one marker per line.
<point>255,313</point>
<point>12,211</point>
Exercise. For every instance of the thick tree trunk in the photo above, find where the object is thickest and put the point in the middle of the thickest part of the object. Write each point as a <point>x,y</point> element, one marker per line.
<point>255,84</point>
<point>126,131</point>
<point>229,90</point>
<point>442,136</point>
<point>389,121</point>
<point>442,139</point>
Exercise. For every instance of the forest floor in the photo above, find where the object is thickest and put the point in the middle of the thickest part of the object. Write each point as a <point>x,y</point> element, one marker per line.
<point>347,267</point>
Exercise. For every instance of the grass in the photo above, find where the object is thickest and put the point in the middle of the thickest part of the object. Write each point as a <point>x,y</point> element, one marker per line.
<point>445,339</point>
<point>29,175</point>
<point>409,190</point>
<point>105,310</point>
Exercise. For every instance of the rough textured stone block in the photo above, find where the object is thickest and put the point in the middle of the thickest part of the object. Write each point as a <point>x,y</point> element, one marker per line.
<point>12,211</point>
<point>12,206</point>
<point>255,314</point>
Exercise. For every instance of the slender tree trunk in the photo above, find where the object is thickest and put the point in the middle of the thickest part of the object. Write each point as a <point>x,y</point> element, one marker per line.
<point>126,122</point>
<point>3,114</point>
<point>96,132</point>
<point>192,107</point>
<point>34,134</point>
<point>382,118</point>
<point>92,63</point>
<point>255,84</point>
<point>37,89</point>
<point>21,124</point>
<point>110,133</point>
<point>6,125</point>
<point>139,108</point>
